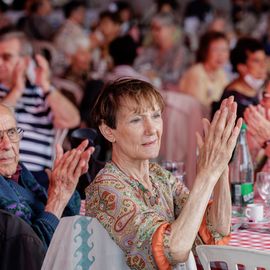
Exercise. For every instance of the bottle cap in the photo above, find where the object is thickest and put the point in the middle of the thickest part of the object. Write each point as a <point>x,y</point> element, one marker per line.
<point>244,126</point>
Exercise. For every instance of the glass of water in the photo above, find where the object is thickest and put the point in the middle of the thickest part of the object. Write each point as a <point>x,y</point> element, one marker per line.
<point>263,186</point>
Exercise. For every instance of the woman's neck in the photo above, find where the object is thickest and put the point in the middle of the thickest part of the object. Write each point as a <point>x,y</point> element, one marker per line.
<point>134,169</point>
<point>210,70</point>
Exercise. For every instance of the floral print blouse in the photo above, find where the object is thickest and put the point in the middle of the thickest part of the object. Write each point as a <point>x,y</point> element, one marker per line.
<point>131,214</point>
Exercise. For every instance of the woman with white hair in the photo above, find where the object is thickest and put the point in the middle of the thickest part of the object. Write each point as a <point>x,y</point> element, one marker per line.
<point>166,58</point>
<point>77,56</point>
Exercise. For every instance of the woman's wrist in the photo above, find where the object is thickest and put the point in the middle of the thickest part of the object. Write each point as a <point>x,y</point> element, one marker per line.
<point>208,177</point>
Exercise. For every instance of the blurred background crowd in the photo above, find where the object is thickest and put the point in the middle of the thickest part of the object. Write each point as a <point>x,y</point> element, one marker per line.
<point>205,49</point>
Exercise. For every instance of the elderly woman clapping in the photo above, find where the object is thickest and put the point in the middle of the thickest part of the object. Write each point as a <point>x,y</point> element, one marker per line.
<point>148,213</point>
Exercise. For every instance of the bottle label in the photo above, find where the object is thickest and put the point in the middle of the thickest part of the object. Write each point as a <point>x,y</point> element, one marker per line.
<point>236,194</point>
<point>247,193</point>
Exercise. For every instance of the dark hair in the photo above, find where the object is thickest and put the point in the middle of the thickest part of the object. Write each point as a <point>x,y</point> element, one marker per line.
<point>109,100</point>
<point>72,6</point>
<point>35,5</point>
<point>173,3</point>
<point>113,16</point>
<point>245,45</point>
<point>123,50</point>
<point>205,42</point>
<point>122,5</point>
<point>3,7</point>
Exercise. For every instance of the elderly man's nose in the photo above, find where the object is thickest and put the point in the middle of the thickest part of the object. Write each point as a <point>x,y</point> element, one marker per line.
<point>5,141</point>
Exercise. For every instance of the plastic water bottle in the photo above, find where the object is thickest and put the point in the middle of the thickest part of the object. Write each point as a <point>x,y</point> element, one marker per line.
<point>242,172</point>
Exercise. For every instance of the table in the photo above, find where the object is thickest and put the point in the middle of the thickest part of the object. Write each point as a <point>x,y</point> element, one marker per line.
<point>254,237</point>
<point>250,239</point>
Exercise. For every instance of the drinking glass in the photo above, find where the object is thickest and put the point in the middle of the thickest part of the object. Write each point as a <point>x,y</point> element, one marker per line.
<point>263,186</point>
<point>177,168</point>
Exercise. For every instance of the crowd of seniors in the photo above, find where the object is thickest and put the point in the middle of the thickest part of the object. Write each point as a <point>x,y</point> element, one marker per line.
<point>61,69</point>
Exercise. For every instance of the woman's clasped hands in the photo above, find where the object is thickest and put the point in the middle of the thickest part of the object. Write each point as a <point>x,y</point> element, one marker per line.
<point>220,137</point>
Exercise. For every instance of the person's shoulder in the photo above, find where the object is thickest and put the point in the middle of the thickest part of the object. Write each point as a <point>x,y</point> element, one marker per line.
<point>108,176</point>
<point>109,186</point>
<point>14,226</point>
<point>195,70</point>
<point>231,90</point>
<point>17,237</point>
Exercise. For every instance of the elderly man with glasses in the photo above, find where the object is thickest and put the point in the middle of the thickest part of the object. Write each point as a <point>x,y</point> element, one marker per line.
<point>20,193</point>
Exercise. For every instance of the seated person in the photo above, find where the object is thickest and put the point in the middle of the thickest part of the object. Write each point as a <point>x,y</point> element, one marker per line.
<point>152,216</point>
<point>108,28</point>
<point>35,24</point>
<point>72,28</point>
<point>248,59</point>
<point>206,79</point>
<point>40,109</point>
<point>17,237</point>
<point>258,132</point>
<point>165,59</point>
<point>73,80</point>
<point>20,193</point>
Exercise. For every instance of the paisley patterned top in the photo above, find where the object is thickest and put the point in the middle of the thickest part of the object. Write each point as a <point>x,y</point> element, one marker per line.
<point>131,214</point>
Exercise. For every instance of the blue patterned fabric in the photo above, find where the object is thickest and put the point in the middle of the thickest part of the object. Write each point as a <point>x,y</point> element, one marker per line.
<point>27,199</point>
<point>83,238</point>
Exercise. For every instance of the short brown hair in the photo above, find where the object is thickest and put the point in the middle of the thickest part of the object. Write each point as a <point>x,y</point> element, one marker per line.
<point>205,42</point>
<point>108,102</point>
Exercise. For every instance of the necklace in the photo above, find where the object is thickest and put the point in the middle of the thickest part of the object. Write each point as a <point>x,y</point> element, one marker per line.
<point>151,197</point>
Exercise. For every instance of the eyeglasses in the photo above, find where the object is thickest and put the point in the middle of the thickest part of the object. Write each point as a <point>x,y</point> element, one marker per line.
<point>14,134</point>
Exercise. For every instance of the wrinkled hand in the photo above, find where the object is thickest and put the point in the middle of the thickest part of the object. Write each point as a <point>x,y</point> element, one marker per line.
<point>221,134</point>
<point>64,177</point>
<point>258,123</point>
<point>42,73</point>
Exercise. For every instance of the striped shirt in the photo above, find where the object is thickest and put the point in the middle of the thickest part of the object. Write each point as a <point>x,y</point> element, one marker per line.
<point>34,116</point>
